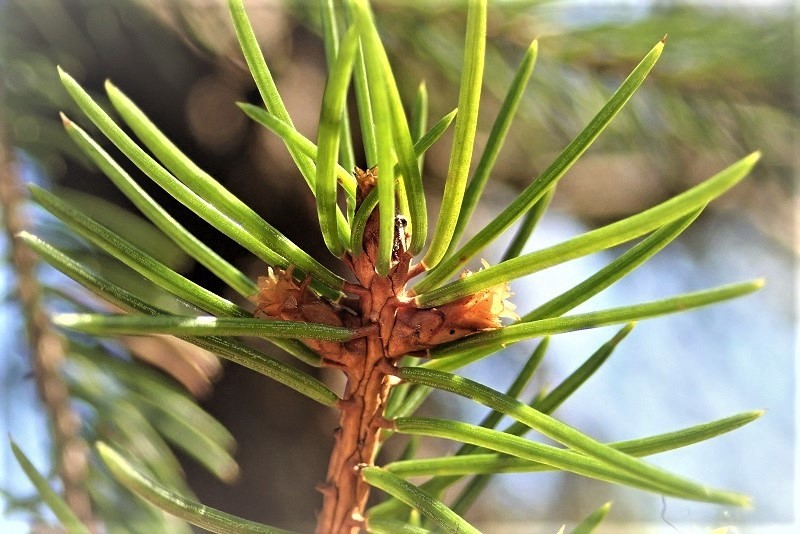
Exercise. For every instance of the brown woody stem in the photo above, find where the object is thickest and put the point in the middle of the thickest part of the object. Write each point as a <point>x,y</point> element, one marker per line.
<point>387,326</point>
<point>360,422</point>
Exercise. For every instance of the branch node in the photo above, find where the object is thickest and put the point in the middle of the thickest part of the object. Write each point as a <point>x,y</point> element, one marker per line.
<point>366,330</point>
<point>326,488</point>
<point>415,270</point>
<point>386,367</point>
<point>383,423</point>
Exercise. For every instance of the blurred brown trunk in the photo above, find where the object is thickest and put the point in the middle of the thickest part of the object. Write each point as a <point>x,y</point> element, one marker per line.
<point>46,347</point>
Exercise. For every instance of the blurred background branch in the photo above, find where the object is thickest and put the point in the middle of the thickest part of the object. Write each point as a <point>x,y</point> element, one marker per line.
<point>45,346</point>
